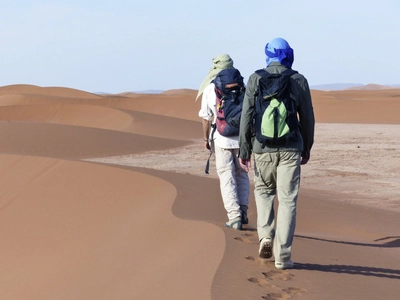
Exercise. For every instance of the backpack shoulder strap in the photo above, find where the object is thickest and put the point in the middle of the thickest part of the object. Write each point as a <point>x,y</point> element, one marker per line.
<point>289,72</point>
<point>262,72</point>
<point>273,82</point>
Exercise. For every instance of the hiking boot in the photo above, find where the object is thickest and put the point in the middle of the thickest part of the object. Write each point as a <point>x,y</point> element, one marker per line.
<point>243,210</point>
<point>245,219</point>
<point>265,250</point>
<point>235,223</point>
<point>283,265</point>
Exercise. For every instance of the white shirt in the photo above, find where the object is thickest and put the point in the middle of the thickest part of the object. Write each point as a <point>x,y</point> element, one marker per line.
<point>208,112</point>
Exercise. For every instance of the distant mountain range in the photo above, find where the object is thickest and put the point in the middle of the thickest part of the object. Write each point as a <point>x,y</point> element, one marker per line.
<point>345,86</point>
<point>321,87</point>
<point>149,92</point>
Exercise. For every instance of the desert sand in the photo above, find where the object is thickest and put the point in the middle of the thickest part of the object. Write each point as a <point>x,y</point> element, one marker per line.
<point>105,197</point>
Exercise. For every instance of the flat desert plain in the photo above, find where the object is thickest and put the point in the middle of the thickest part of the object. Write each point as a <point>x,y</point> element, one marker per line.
<point>105,197</point>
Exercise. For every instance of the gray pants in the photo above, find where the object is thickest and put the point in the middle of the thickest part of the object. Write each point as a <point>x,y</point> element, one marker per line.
<point>234,181</point>
<point>277,173</point>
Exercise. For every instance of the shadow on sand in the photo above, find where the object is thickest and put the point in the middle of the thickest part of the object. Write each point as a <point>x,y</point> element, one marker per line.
<point>388,242</point>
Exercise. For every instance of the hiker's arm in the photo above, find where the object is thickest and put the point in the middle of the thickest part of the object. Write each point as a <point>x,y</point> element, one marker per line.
<point>206,113</point>
<point>206,129</point>
<point>306,118</point>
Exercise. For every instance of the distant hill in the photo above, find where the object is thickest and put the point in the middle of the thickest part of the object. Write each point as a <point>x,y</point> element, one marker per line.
<point>373,87</point>
<point>149,92</point>
<point>135,92</point>
<point>352,86</point>
<point>335,86</point>
<point>180,91</point>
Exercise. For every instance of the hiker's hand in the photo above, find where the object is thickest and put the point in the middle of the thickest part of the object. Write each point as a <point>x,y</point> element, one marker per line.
<point>305,156</point>
<point>207,145</point>
<point>303,161</point>
<point>245,164</point>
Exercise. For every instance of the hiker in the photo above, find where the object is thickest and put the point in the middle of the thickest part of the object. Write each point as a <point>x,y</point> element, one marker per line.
<point>276,167</point>
<point>234,181</point>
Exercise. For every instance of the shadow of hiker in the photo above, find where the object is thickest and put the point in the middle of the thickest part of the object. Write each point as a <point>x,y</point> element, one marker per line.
<point>388,242</point>
<point>391,241</point>
<point>353,270</point>
<point>394,243</point>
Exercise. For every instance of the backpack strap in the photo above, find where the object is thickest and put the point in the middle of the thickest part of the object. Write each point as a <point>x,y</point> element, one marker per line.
<point>213,128</point>
<point>264,73</point>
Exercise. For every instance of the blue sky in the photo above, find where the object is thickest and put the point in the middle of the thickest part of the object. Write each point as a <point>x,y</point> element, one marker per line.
<point>128,45</point>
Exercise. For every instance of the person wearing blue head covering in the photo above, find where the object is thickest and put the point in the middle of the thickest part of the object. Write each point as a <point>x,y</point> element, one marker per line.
<point>278,50</point>
<point>277,168</point>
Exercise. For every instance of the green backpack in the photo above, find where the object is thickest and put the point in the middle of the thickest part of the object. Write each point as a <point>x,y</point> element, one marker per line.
<point>275,117</point>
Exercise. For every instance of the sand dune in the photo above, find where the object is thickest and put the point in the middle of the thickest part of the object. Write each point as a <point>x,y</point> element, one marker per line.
<point>73,230</point>
<point>105,197</point>
<point>45,91</point>
<point>68,114</point>
<point>362,107</point>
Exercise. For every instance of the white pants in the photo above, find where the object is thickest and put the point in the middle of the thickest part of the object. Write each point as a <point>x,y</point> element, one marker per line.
<point>234,181</point>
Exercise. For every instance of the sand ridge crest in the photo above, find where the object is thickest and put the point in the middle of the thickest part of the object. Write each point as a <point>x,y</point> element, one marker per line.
<point>106,195</point>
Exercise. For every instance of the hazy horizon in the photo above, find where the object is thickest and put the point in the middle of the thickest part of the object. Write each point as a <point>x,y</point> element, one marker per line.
<point>134,45</point>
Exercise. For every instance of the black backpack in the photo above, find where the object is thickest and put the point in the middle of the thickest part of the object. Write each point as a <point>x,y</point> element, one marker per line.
<point>275,113</point>
<point>229,88</point>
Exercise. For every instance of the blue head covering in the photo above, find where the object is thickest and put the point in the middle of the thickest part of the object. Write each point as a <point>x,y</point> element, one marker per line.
<point>278,50</point>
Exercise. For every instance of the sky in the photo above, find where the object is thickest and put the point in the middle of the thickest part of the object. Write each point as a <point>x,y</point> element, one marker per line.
<point>128,45</point>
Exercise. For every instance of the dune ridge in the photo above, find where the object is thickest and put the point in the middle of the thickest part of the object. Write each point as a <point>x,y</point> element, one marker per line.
<point>45,91</point>
<point>105,197</point>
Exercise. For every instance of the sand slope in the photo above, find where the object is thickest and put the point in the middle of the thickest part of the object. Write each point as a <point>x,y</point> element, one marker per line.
<point>105,197</point>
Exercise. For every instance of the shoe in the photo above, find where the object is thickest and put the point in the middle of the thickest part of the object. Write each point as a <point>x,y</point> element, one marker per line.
<point>245,219</point>
<point>235,223</point>
<point>283,265</point>
<point>243,210</point>
<point>265,250</point>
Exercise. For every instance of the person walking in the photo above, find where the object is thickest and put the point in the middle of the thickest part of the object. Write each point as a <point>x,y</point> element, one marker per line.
<point>277,168</point>
<point>234,181</point>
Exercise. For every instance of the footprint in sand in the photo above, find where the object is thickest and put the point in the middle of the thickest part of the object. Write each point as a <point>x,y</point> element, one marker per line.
<point>278,275</point>
<point>294,291</point>
<point>286,294</point>
<point>270,276</point>
<point>262,261</point>
<point>243,239</point>
<point>261,282</point>
<point>246,238</point>
<point>276,296</point>
<point>252,258</point>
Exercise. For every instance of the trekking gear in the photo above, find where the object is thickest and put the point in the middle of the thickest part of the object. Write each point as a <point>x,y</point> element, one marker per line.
<point>229,88</point>
<point>235,223</point>
<point>207,169</point>
<point>265,250</point>
<point>275,115</point>
<point>220,62</point>
<point>243,210</point>
<point>283,265</point>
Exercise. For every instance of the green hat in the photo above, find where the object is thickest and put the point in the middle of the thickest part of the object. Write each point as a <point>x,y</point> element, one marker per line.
<point>220,62</point>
